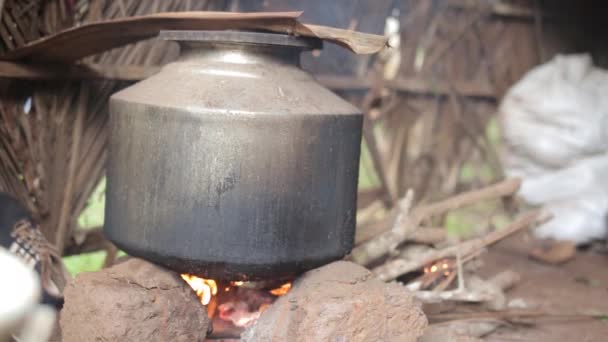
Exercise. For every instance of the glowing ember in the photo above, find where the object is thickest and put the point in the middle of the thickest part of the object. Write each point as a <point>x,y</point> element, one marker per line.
<point>204,288</point>
<point>281,290</point>
<point>438,266</point>
<point>238,313</point>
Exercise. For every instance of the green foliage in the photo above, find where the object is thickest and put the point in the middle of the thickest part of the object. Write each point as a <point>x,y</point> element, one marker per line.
<point>92,215</point>
<point>475,220</point>
<point>88,262</point>
<point>367,175</point>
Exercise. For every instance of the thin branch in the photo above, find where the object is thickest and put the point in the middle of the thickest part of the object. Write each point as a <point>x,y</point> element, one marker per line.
<point>397,267</point>
<point>86,241</point>
<point>512,314</point>
<point>375,248</point>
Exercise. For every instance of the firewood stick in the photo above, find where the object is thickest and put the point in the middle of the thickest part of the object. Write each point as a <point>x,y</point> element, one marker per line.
<point>397,267</point>
<point>512,314</point>
<point>404,204</point>
<point>505,188</point>
<point>428,236</point>
<point>445,283</point>
<point>64,224</point>
<point>85,241</point>
<point>469,330</point>
<point>372,145</point>
<point>384,243</point>
<point>456,295</point>
<point>483,291</point>
<point>111,253</point>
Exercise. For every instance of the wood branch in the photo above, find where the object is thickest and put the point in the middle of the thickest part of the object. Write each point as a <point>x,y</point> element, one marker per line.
<point>404,206</point>
<point>456,36</point>
<point>428,236</point>
<point>489,291</point>
<point>384,243</point>
<point>512,314</point>
<point>86,241</point>
<point>509,10</point>
<point>64,224</point>
<point>75,71</point>
<point>372,146</point>
<point>413,85</point>
<point>423,235</point>
<point>469,330</point>
<point>111,253</point>
<point>369,136</point>
<point>505,188</point>
<point>397,267</point>
<point>498,8</point>
<point>456,295</point>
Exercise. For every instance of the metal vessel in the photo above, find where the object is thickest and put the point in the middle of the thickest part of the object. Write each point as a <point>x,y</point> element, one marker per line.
<point>232,162</point>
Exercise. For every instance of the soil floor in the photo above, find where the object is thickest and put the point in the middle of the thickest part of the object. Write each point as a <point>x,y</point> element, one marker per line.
<point>580,285</point>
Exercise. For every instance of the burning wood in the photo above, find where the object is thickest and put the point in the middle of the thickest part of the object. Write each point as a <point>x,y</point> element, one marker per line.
<point>234,304</point>
<point>204,288</point>
<point>408,221</point>
<point>281,290</point>
<point>437,276</point>
<point>394,268</point>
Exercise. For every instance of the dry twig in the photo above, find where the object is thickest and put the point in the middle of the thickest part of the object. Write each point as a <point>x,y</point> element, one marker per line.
<point>397,267</point>
<point>388,241</point>
<point>512,314</point>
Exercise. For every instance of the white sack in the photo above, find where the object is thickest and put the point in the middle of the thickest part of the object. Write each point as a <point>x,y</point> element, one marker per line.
<point>554,123</point>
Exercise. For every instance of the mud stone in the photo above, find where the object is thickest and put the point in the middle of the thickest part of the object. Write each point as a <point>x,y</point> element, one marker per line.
<point>132,301</point>
<point>341,301</point>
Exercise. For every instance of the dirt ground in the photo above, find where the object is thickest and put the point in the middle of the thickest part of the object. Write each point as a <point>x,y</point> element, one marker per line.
<point>580,285</point>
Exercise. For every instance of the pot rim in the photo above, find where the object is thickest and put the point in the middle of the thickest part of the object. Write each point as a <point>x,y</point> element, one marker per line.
<point>243,37</point>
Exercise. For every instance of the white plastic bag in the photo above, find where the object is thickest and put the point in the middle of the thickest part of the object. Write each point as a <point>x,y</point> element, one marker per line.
<point>554,123</point>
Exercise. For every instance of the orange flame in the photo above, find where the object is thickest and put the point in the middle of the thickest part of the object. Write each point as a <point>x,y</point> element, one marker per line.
<point>207,291</point>
<point>204,288</point>
<point>281,290</point>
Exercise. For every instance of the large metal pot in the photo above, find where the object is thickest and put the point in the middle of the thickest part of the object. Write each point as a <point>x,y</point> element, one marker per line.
<point>232,162</point>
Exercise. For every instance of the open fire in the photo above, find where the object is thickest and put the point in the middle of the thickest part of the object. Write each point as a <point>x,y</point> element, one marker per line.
<point>236,302</point>
<point>437,276</point>
<point>204,288</point>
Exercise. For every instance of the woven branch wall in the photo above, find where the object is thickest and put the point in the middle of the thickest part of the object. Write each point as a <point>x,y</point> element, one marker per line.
<point>53,134</point>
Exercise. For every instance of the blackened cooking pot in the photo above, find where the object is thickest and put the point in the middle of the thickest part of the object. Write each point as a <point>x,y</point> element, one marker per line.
<point>232,162</point>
